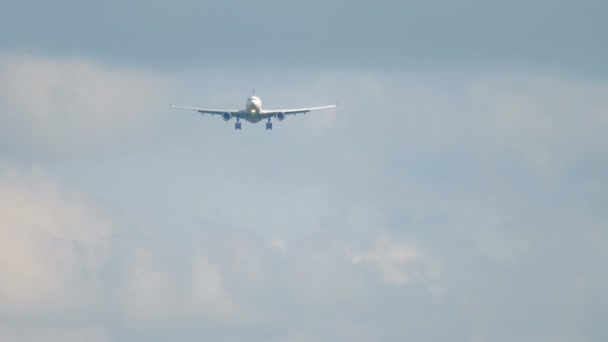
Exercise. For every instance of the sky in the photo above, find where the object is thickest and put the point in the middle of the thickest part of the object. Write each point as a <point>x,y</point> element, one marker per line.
<point>457,193</point>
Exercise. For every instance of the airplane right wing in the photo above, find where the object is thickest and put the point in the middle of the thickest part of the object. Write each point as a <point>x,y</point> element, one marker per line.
<point>235,113</point>
<point>275,112</point>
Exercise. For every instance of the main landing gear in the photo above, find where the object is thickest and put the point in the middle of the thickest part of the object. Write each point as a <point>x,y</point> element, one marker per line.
<point>237,125</point>
<point>269,124</point>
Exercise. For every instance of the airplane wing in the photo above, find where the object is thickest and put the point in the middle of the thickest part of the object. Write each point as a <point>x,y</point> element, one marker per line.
<point>235,113</point>
<point>275,112</point>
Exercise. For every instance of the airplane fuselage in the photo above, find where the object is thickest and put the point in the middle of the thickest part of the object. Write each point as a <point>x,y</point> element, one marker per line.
<point>253,108</point>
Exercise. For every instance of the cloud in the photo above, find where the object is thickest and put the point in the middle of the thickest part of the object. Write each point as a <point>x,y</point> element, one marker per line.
<point>54,245</point>
<point>544,119</point>
<point>390,259</point>
<point>60,257</point>
<point>21,333</point>
<point>72,107</point>
<point>157,291</point>
<point>278,245</point>
<point>430,206</point>
<point>208,286</point>
<point>398,263</point>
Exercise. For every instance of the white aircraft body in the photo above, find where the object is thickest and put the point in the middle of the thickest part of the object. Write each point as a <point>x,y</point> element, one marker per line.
<point>253,112</point>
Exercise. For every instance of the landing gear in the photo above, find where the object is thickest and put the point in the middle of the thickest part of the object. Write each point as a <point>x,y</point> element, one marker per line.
<point>269,124</point>
<point>237,125</point>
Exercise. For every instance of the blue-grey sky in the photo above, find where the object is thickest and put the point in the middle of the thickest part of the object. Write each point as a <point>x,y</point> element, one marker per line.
<point>458,193</point>
<point>188,33</point>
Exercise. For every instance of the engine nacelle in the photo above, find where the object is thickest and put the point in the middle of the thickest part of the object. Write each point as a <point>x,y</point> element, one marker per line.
<point>226,116</point>
<point>280,116</point>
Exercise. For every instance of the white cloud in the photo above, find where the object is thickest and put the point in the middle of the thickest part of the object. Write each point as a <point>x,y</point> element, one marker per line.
<point>447,164</point>
<point>53,244</point>
<point>157,290</point>
<point>209,289</point>
<point>398,263</point>
<point>70,107</point>
<point>278,245</point>
<point>546,120</point>
<point>63,334</point>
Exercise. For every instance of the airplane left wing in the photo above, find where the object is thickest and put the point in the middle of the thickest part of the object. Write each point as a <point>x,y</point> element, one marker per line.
<point>235,113</point>
<point>275,112</point>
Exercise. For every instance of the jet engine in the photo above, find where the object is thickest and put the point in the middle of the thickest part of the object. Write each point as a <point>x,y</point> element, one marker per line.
<point>280,116</point>
<point>226,116</point>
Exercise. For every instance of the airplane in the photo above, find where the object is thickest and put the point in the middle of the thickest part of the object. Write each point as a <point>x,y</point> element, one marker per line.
<point>253,112</point>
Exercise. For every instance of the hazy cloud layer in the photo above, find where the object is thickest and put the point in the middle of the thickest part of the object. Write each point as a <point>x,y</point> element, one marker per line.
<point>53,245</point>
<point>429,206</point>
<point>59,107</point>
